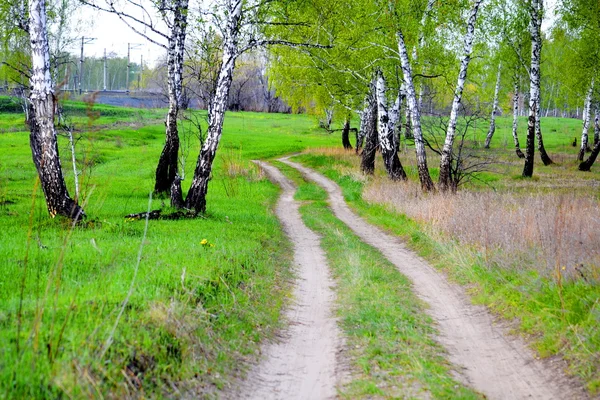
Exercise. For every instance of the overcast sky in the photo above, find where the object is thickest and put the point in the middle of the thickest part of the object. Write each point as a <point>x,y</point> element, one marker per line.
<point>112,34</point>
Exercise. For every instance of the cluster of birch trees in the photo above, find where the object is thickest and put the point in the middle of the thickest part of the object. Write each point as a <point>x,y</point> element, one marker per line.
<point>390,58</point>
<point>375,59</point>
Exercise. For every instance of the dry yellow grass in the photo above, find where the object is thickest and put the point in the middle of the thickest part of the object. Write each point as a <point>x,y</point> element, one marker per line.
<point>529,226</point>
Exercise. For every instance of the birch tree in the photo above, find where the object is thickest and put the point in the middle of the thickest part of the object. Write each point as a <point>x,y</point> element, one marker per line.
<point>535,13</point>
<point>240,23</point>
<point>369,131</point>
<point>445,179</point>
<point>515,122</point>
<point>492,128</point>
<point>386,127</point>
<point>415,115</point>
<point>40,118</point>
<point>586,122</point>
<point>173,14</point>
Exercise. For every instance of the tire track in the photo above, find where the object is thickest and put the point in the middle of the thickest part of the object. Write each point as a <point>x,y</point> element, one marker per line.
<point>302,365</point>
<point>494,363</point>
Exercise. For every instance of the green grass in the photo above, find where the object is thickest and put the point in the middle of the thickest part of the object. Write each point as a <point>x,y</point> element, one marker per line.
<point>523,295</point>
<point>389,337</point>
<point>197,310</point>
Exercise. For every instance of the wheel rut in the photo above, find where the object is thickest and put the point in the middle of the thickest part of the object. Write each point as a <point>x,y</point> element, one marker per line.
<point>302,364</point>
<point>486,357</point>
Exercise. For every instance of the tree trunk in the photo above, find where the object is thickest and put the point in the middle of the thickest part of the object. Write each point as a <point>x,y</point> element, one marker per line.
<point>587,164</point>
<point>424,177</point>
<point>445,180</point>
<point>408,125</point>
<point>367,162</point>
<point>167,167</point>
<point>42,108</point>
<point>515,124</point>
<point>596,124</point>
<point>346,135</point>
<point>196,198</point>
<point>492,129</point>
<point>536,13</point>
<point>361,133</point>
<point>385,128</point>
<point>586,122</point>
<point>538,135</point>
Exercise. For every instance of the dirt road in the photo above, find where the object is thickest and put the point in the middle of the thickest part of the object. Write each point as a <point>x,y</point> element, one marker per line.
<point>302,365</point>
<point>494,363</point>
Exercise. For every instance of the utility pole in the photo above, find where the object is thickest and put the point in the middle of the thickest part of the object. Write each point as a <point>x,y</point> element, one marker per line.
<point>104,86</point>
<point>84,40</point>
<point>130,46</point>
<point>140,73</point>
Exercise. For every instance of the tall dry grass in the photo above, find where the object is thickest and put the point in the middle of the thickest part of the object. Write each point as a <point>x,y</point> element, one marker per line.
<point>549,232</point>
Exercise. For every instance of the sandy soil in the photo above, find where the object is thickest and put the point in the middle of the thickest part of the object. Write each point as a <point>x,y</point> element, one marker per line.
<point>302,365</point>
<point>498,365</point>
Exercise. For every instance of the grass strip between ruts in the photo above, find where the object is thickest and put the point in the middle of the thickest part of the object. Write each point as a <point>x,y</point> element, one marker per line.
<point>390,340</point>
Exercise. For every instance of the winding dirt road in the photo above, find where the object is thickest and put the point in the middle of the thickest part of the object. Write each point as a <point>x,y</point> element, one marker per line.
<point>302,365</point>
<point>494,363</point>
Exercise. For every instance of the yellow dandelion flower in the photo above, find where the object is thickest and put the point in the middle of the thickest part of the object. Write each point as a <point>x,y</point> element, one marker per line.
<point>204,242</point>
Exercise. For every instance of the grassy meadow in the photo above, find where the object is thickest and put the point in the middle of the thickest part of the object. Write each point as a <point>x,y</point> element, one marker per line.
<point>526,248</point>
<point>110,309</point>
<point>105,309</point>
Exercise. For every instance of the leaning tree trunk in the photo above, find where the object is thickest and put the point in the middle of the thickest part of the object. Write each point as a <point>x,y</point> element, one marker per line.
<point>587,164</point>
<point>385,128</point>
<point>196,198</point>
<point>492,129</point>
<point>538,134</point>
<point>346,135</point>
<point>445,180</point>
<point>43,136</point>
<point>411,96</point>
<point>167,167</point>
<point>534,85</point>
<point>586,122</point>
<point>367,162</point>
<point>515,124</point>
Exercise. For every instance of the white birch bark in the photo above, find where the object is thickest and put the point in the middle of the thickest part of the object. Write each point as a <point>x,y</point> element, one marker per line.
<point>492,128</point>
<point>385,129</point>
<point>536,13</point>
<point>586,122</point>
<point>167,168</point>
<point>196,198</point>
<point>596,124</point>
<point>515,123</point>
<point>446,160</point>
<point>411,97</point>
<point>43,137</point>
